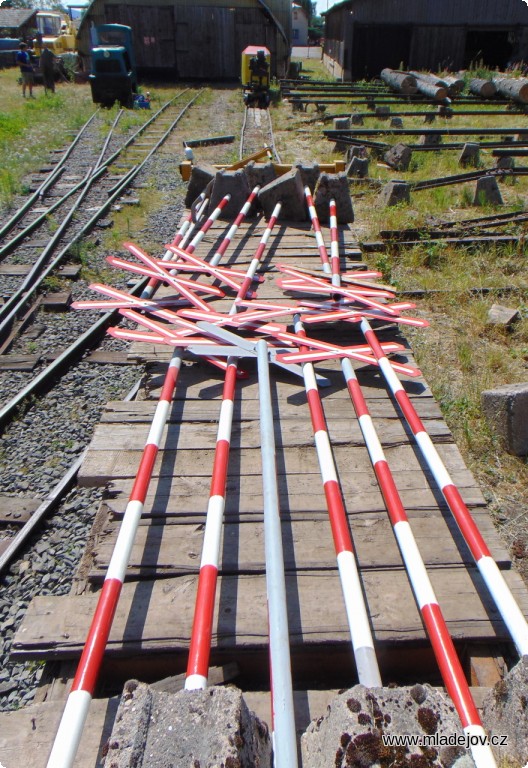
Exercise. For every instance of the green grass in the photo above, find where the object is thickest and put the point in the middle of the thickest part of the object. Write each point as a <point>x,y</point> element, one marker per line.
<point>29,128</point>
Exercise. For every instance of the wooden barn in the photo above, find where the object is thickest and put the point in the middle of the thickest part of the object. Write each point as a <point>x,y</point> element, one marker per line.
<point>364,36</point>
<point>196,40</point>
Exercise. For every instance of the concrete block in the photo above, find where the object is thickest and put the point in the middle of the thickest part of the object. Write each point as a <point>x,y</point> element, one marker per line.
<point>211,727</point>
<point>289,190</point>
<point>506,410</point>
<point>430,139</point>
<point>396,122</point>
<point>259,173</point>
<point>470,155</point>
<point>398,157</point>
<point>309,174</point>
<point>487,192</point>
<point>444,111</point>
<point>341,123</point>
<point>358,151</point>
<point>350,732</point>
<point>333,186</point>
<point>382,113</point>
<point>201,175</point>
<point>359,167</point>
<point>504,711</point>
<point>505,316</point>
<point>234,183</point>
<point>356,119</point>
<point>395,192</point>
<point>505,163</point>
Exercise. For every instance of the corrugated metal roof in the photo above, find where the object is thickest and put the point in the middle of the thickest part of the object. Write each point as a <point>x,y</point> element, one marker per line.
<point>15,17</point>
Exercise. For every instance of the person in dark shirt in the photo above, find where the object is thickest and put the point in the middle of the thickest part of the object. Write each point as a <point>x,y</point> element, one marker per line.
<point>23,60</point>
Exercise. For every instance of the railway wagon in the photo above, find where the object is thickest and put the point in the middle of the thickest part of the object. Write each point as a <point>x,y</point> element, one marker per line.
<point>183,40</point>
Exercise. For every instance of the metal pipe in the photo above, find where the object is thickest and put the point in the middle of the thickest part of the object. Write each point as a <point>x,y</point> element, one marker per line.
<point>285,742</point>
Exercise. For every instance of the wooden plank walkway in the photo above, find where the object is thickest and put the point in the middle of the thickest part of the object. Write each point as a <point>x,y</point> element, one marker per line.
<point>151,630</point>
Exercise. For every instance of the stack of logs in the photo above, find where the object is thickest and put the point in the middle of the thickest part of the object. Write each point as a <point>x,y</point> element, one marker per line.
<point>441,88</point>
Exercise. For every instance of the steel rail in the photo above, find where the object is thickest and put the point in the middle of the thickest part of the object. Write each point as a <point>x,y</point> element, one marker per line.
<point>10,223</point>
<point>99,169</point>
<point>18,300</point>
<point>50,502</point>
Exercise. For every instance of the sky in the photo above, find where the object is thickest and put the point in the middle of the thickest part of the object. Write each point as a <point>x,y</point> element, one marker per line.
<point>324,5</point>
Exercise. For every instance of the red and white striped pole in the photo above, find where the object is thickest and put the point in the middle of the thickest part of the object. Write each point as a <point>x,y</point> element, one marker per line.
<point>246,283</point>
<point>489,570</point>
<point>362,642</point>
<point>443,647</point>
<point>234,226</point>
<point>78,703</point>
<point>197,239</point>
<point>323,253</point>
<point>334,245</point>
<point>186,228</point>
<point>200,647</point>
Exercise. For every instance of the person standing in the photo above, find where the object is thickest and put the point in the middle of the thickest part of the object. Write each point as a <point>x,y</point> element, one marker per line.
<point>23,60</point>
<point>47,67</point>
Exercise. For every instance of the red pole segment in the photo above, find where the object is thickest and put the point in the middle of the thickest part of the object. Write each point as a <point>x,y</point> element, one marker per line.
<point>493,578</point>
<point>183,233</point>
<point>323,253</point>
<point>75,712</point>
<point>363,645</point>
<point>200,648</point>
<point>244,288</point>
<point>208,224</point>
<point>233,228</point>
<point>334,245</point>
<point>443,647</point>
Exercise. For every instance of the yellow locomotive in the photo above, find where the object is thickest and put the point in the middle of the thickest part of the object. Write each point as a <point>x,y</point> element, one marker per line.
<point>255,76</point>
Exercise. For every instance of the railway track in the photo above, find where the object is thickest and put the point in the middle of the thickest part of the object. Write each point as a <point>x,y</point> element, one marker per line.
<point>189,452</point>
<point>257,132</point>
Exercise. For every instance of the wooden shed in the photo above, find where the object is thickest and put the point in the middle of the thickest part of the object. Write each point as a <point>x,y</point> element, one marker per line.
<point>364,36</point>
<point>196,40</point>
<point>18,23</point>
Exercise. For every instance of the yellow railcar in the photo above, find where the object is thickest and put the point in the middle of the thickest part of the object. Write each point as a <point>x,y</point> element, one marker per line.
<point>255,76</point>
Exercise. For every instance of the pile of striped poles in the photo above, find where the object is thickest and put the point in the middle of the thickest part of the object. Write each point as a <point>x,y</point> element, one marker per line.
<point>190,323</point>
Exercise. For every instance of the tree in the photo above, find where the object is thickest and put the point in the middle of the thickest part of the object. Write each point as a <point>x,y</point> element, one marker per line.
<point>308,6</point>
